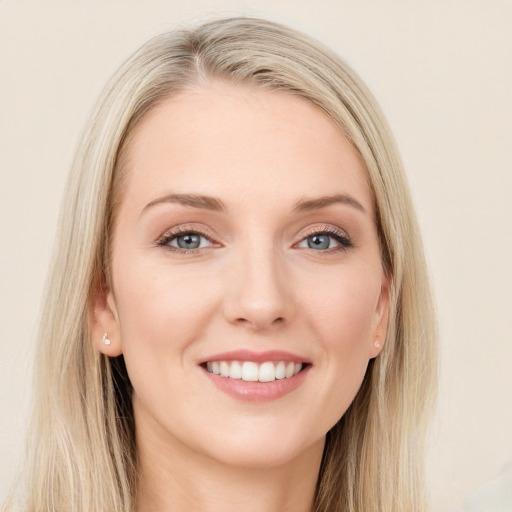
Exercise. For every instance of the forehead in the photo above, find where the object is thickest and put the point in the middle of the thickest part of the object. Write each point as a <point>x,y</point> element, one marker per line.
<point>241,142</point>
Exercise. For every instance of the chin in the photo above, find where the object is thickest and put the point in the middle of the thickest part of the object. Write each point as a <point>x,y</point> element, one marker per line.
<point>261,455</point>
<point>263,446</point>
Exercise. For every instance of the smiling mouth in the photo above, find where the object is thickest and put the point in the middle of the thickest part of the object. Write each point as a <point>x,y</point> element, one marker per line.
<point>250,371</point>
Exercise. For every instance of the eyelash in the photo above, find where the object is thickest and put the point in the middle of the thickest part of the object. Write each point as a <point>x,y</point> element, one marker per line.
<point>168,237</point>
<point>341,238</point>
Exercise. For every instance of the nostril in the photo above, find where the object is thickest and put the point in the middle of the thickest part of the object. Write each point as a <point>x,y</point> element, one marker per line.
<point>258,324</point>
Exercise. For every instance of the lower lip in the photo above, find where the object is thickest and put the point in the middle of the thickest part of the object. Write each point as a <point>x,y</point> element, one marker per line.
<point>257,391</point>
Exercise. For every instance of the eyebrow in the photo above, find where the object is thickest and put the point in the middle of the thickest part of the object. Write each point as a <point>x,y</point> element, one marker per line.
<point>305,205</point>
<point>215,204</point>
<point>193,200</point>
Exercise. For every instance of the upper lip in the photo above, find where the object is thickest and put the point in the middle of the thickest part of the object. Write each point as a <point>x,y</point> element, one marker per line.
<point>256,357</point>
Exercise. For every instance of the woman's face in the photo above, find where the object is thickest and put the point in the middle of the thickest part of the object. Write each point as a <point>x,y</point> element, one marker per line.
<point>244,244</point>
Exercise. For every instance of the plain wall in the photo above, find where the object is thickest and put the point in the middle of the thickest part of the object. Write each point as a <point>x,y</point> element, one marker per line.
<point>442,72</point>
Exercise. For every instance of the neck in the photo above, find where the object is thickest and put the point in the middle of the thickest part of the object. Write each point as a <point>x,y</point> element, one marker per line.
<point>174,477</point>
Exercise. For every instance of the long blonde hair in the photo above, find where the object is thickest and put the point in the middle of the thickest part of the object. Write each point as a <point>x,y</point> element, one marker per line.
<point>82,454</point>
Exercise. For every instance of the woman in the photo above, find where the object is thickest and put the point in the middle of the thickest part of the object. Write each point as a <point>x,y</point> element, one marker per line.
<point>238,313</point>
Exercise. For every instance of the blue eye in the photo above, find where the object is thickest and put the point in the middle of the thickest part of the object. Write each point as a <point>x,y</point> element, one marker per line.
<point>185,241</point>
<point>323,241</point>
<point>320,242</point>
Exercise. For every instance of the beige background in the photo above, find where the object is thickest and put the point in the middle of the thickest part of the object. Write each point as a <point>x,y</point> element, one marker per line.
<point>442,73</point>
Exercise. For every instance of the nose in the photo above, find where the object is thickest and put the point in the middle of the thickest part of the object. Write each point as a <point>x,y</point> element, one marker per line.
<point>258,292</point>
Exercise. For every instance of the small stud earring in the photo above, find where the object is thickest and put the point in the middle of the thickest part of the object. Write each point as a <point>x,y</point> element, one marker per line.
<point>377,344</point>
<point>106,340</point>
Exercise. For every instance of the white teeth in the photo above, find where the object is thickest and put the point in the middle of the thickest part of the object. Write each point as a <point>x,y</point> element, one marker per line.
<point>280,370</point>
<point>249,371</point>
<point>224,369</point>
<point>252,372</point>
<point>267,372</point>
<point>235,372</point>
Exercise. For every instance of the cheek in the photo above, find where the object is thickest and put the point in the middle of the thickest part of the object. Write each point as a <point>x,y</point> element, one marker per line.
<point>343,310</point>
<point>342,314</point>
<point>162,312</point>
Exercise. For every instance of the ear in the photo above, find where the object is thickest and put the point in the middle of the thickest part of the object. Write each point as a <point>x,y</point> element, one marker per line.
<point>378,337</point>
<point>103,319</point>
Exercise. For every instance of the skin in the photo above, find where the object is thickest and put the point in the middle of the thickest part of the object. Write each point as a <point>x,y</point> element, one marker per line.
<point>253,284</point>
